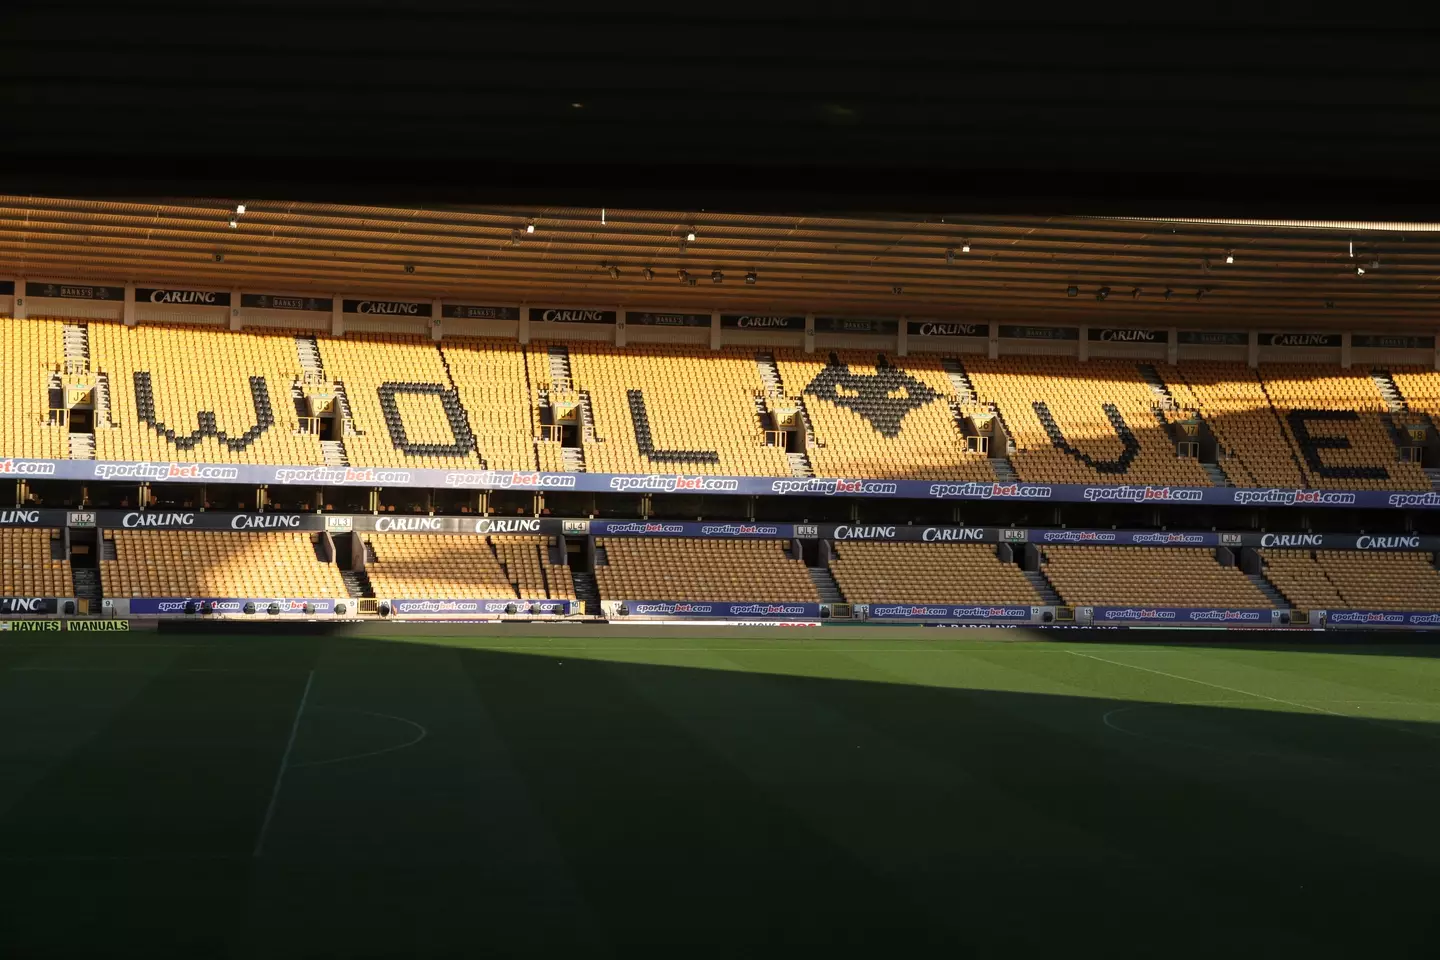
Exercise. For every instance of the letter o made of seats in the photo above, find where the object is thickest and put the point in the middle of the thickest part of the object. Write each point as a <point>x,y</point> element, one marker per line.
<point>384,609</point>
<point>273,609</point>
<point>249,607</point>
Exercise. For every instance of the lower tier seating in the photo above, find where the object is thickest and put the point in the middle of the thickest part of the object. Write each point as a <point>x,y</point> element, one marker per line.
<point>436,565</point>
<point>1355,579</point>
<point>199,563</point>
<point>1147,576</point>
<point>27,568</point>
<point>685,569</point>
<point>868,572</point>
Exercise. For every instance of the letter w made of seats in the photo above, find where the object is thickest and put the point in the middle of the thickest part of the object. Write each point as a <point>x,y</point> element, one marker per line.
<point>205,419</point>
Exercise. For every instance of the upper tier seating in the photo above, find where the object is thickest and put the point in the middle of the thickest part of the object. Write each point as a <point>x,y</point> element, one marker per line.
<point>1074,438</point>
<point>216,395</point>
<point>1298,425</point>
<point>1147,576</point>
<point>201,563</point>
<point>1353,449</point>
<point>683,569</point>
<point>873,572</point>
<point>27,568</point>
<point>673,409</point>
<point>880,416</point>
<point>179,393</point>
<point>30,352</point>
<point>1355,579</point>
<point>488,374</point>
<point>405,412</point>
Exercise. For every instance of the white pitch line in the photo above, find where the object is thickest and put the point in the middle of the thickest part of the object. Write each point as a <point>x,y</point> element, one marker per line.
<point>1384,725</point>
<point>1206,683</point>
<point>369,753</point>
<point>284,764</point>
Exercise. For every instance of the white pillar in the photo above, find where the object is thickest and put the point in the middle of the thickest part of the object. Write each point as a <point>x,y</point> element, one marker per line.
<point>715,331</point>
<point>1172,346</point>
<point>902,338</point>
<point>809,333</point>
<point>337,316</point>
<point>523,329</point>
<point>20,310</point>
<point>1084,350</point>
<point>436,332</point>
<point>129,305</point>
<point>1252,353</point>
<point>1345,349</point>
<point>236,320</point>
<point>993,352</point>
<point>619,326</point>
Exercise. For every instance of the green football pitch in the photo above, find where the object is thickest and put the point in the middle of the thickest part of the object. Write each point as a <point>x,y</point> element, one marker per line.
<point>506,792</point>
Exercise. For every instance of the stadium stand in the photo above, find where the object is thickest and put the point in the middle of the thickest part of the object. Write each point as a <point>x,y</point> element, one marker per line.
<point>1301,580</point>
<point>530,570</point>
<point>28,567</point>
<point>182,393</point>
<point>1147,576</point>
<point>874,572</point>
<point>487,374</point>
<point>446,566</point>
<point>679,569</point>
<point>31,354</point>
<point>1299,425</point>
<point>198,563</point>
<point>1355,579</point>
<point>673,409</point>
<point>440,565</point>
<point>1342,427</point>
<point>1095,422</point>
<point>405,410</point>
<point>878,416</point>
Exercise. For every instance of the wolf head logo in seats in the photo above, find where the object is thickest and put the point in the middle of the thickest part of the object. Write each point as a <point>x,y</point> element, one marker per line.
<point>884,398</point>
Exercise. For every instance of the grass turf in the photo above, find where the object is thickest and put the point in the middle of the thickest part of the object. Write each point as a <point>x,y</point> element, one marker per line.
<point>517,793</point>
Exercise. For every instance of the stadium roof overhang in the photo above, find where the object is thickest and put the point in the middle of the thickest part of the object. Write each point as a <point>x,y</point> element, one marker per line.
<point>1151,272</point>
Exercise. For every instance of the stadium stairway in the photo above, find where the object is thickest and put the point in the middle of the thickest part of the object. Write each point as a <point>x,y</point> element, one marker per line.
<point>1003,471</point>
<point>86,582</point>
<point>1389,390</point>
<point>82,446</point>
<point>102,399</point>
<point>77,348</point>
<point>1433,473</point>
<point>1216,475</point>
<point>559,358</point>
<point>1157,385</point>
<point>769,372</point>
<point>1263,584</point>
<point>825,585</point>
<point>587,591</point>
<point>964,389</point>
<point>334,453</point>
<point>800,464</point>
<point>307,351</point>
<point>357,583</point>
<point>1044,587</point>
